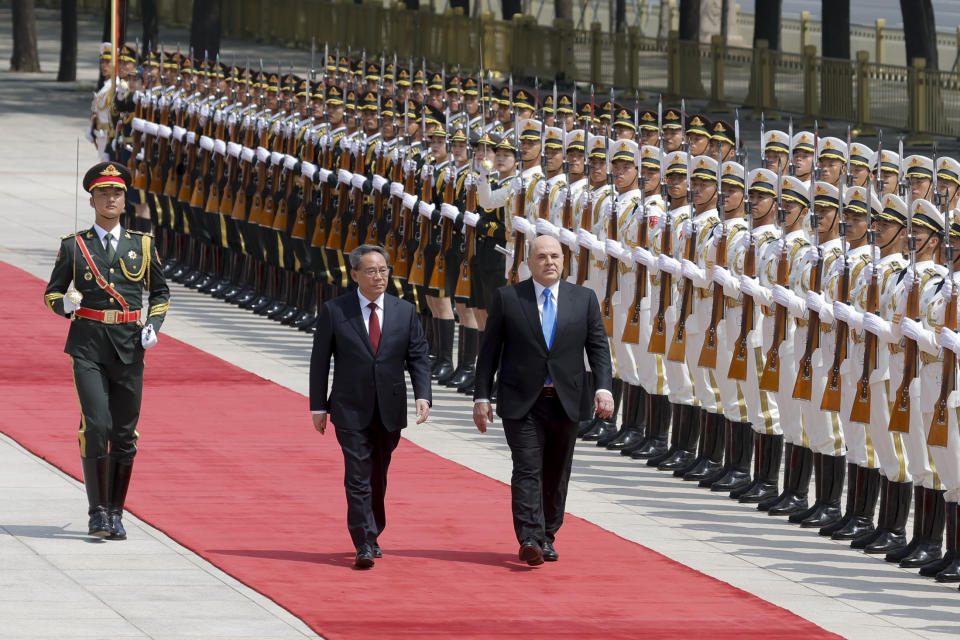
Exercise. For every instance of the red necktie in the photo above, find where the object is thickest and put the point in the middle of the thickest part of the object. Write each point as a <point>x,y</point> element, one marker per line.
<point>374,327</point>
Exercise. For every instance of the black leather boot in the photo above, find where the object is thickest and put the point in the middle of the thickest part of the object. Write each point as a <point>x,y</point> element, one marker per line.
<point>868,489</point>
<point>930,548</point>
<point>794,498</point>
<point>947,569</point>
<point>443,373</point>
<point>95,482</point>
<point>904,550</point>
<point>787,470</point>
<point>467,364</point>
<point>608,427</point>
<point>771,453</point>
<point>677,412</point>
<point>851,507</point>
<point>634,399</point>
<point>687,433</point>
<point>456,370</point>
<point>883,518</point>
<point>737,472</point>
<point>828,511</point>
<point>658,430</point>
<point>892,533</point>
<point>119,472</point>
<point>712,460</point>
<point>799,516</point>
<point>698,454</point>
<point>736,493</point>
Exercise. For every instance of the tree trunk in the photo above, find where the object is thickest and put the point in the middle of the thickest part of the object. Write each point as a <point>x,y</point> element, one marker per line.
<point>510,8</point>
<point>766,22</point>
<point>150,37</point>
<point>920,31</point>
<point>689,27</point>
<point>68,41</point>
<point>24,56</point>
<point>563,9</point>
<point>836,72</point>
<point>205,28</point>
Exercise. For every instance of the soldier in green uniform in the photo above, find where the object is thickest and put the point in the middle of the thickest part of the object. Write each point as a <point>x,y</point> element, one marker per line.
<point>98,282</point>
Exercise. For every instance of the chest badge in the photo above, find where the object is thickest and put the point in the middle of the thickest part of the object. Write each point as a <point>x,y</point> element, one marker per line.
<point>88,276</point>
<point>131,254</point>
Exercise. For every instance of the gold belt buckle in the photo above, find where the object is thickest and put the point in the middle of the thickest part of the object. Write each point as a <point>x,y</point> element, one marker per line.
<point>111,316</point>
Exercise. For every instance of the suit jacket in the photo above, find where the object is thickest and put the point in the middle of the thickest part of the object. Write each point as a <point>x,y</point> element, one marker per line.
<point>513,340</point>
<point>363,380</point>
<point>136,267</point>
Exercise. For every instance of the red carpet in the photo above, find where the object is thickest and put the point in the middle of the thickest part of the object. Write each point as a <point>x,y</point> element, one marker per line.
<point>230,467</point>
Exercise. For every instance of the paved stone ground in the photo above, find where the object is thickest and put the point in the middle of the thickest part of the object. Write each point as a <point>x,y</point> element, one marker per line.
<point>55,584</point>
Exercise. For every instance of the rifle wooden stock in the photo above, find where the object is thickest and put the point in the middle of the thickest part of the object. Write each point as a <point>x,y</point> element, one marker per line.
<point>566,219</point>
<point>464,287</point>
<point>631,330</point>
<point>418,272</point>
<point>170,187</point>
<point>831,393</point>
<point>374,225</point>
<point>319,237</point>
<point>438,277</point>
<point>519,239</point>
<point>352,240</point>
<point>613,265</point>
<point>939,423</point>
<point>770,378</point>
<point>860,411</point>
<point>404,257</point>
<point>708,352</point>
<point>658,333</point>
<point>212,202</point>
<point>335,236</point>
<point>741,351</point>
<point>678,345</point>
<point>803,385</point>
<point>900,410</point>
<point>583,256</point>
<point>390,239</point>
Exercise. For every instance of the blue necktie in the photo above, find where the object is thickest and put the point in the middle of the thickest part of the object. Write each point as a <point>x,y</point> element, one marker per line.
<point>549,323</point>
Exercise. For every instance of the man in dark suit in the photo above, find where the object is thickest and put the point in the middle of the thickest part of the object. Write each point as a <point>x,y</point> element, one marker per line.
<point>98,280</point>
<point>372,337</point>
<point>537,332</point>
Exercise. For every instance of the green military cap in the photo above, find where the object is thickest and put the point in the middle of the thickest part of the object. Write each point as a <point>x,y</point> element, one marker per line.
<point>699,124</point>
<point>343,64</point>
<point>585,112</point>
<point>723,132</point>
<point>432,116</point>
<point>351,99</point>
<point>316,90</point>
<point>153,59</point>
<point>564,103</point>
<point>419,76</point>
<point>436,81</point>
<point>368,101</point>
<point>170,61</point>
<point>386,108</point>
<point>648,120</point>
<point>222,70</point>
<point>271,83</point>
<point>459,135</point>
<point>334,95</point>
<point>331,63</point>
<point>356,67</point>
<point>453,83</point>
<point>522,99</point>
<point>606,110</point>
<point>126,53</point>
<point>302,89</point>
<point>548,106</point>
<point>186,65</point>
<point>372,71</point>
<point>106,174</point>
<point>470,86</point>
<point>672,118</point>
<point>506,142</point>
<point>503,97</point>
<point>623,117</point>
<point>403,77</point>
<point>388,71</point>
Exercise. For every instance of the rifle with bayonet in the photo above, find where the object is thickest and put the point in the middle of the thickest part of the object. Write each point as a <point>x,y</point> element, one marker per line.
<point>738,361</point>
<point>586,216</point>
<point>613,265</point>
<point>708,352</point>
<point>438,276</point>
<point>939,422</point>
<point>770,377</point>
<point>658,334</point>
<point>519,240</point>
<point>678,346</point>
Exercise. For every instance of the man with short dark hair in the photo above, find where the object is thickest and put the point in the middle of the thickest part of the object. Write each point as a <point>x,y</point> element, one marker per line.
<point>372,337</point>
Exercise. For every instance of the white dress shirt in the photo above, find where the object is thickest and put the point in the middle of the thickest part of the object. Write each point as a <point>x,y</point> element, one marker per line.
<point>114,235</point>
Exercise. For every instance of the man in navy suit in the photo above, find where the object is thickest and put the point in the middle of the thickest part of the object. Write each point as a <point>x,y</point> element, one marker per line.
<point>537,333</point>
<point>372,337</point>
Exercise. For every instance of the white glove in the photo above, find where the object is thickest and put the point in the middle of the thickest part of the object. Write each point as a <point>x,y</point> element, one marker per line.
<point>585,239</point>
<point>276,158</point>
<point>946,291</point>
<point>262,155</point>
<point>598,250</point>
<point>247,154</point>
<point>449,211</point>
<point>358,181</point>
<point>689,229</point>
<point>516,184</point>
<point>815,301</point>
<point>379,182</point>
<point>220,147</point>
<point>522,225</point>
<point>396,190</point>
<point>626,258</point>
<point>879,327</point>
<point>812,257</point>
<point>694,273</point>
<point>323,175</point>
<point>562,194</point>
<point>68,306</point>
<point>926,339</point>
<point>846,313</point>
<point>426,171</point>
<point>584,199</point>
<point>644,257</point>
<point>715,236</point>
<point>544,227</point>
<point>234,149</point>
<point>469,181</point>
<point>539,190</point>
<point>908,279</point>
<point>409,165</point>
<point>723,277</point>
<point>605,209</point>
<point>308,170</point>
<point>567,237</point>
<point>613,248</point>
<point>88,135</point>
<point>753,288</point>
<point>344,176</point>
<point>289,162</point>
<point>137,124</point>
<point>482,171</point>
<point>345,144</point>
<point>786,298</point>
<point>206,143</point>
<point>426,209</point>
<point>191,137</point>
<point>471,219</point>
<point>950,339</point>
<point>409,201</point>
<point>668,264</point>
<point>148,337</point>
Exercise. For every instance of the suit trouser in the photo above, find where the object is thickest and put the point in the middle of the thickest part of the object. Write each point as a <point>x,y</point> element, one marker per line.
<point>109,395</point>
<point>366,458</point>
<point>947,459</point>
<point>541,445</point>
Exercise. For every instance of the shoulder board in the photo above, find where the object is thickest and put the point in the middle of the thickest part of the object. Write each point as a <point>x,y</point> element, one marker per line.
<point>70,235</point>
<point>139,233</point>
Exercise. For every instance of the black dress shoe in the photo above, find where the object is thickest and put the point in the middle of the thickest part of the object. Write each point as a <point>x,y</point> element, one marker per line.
<point>549,553</point>
<point>99,524</point>
<point>364,557</point>
<point>117,532</point>
<point>531,552</point>
<point>377,552</point>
